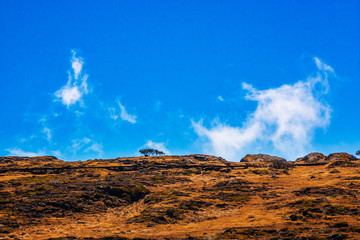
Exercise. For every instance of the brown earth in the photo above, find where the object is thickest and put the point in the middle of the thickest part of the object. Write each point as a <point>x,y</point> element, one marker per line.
<point>179,197</point>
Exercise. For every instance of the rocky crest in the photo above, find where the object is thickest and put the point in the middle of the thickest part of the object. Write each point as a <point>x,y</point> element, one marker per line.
<point>340,157</point>
<point>321,159</point>
<point>312,158</point>
<point>261,158</point>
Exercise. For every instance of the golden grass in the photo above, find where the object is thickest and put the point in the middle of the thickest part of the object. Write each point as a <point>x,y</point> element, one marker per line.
<point>266,209</point>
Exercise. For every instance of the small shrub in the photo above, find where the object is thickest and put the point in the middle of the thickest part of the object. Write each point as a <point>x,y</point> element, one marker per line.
<point>151,152</point>
<point>340,224</point>
<point>294,217</point>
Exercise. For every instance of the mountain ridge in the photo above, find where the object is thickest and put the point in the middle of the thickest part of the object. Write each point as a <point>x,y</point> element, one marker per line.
<point>180,197</point>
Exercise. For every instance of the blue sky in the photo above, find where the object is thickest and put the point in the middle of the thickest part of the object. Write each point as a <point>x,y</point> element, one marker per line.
<point>103,79</point>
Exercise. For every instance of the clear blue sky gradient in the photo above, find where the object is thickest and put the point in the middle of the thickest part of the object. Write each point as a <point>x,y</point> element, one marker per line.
<point>168,63</point>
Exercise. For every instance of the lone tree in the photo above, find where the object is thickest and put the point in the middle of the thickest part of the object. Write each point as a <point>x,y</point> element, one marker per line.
<point>151,152</point>
<point>358,153</point>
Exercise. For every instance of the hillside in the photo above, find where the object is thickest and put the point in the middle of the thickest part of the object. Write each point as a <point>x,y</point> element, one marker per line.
<point>180,197</point>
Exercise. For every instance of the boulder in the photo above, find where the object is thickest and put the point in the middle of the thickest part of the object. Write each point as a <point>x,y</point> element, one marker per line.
<point>312,158</point>
<point>261,158</point>
<point>342,156</point>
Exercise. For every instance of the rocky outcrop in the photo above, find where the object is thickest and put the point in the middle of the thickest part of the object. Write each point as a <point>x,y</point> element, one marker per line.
<point>314,158</point>
<point>52,165</point>
<point>206,158</point>
<point>261,158</point>
<point>335,159</point>
<point>341,160</point>
<point>342,156</point>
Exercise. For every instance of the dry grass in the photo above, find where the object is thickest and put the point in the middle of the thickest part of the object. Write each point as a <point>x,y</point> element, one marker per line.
<point>271,197</point>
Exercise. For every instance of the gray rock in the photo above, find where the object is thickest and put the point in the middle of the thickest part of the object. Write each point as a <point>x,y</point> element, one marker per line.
<point>253,158</point>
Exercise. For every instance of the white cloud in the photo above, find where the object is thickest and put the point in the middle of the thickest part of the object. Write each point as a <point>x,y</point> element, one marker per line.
<point>45,129</point>
<point>20,153</point>
<point>159,146</point>
<point>77,144</point>
<point>56,153</point>
<point>220,98</point>
<point>113,114</point>
<point>95,147</point>
<point>124,115</point>
<point>285,120</point>
<point>224,140</point>
<point>27,139</point>
<point>76,64</point>
<point>322,66</point>
<point>68,94</point>
<point>47,133</point>
<point>73,91</point>
<point>86,145</point>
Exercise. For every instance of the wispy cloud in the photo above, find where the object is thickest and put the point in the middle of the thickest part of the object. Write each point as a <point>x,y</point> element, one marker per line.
<point>45,129</point>
<point>27,139</point>
<point>20,153</point>
<point>124,115</point>
<point>285,119</point>
<point>322,66</point>
<point>157,105</point>
<point>76,64</point>
<point>95,147</point>
<point>220,98</point>
<point>76,86</point>
<point>47,133</point>
<point>85,145</point>
<point>159,146</point>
